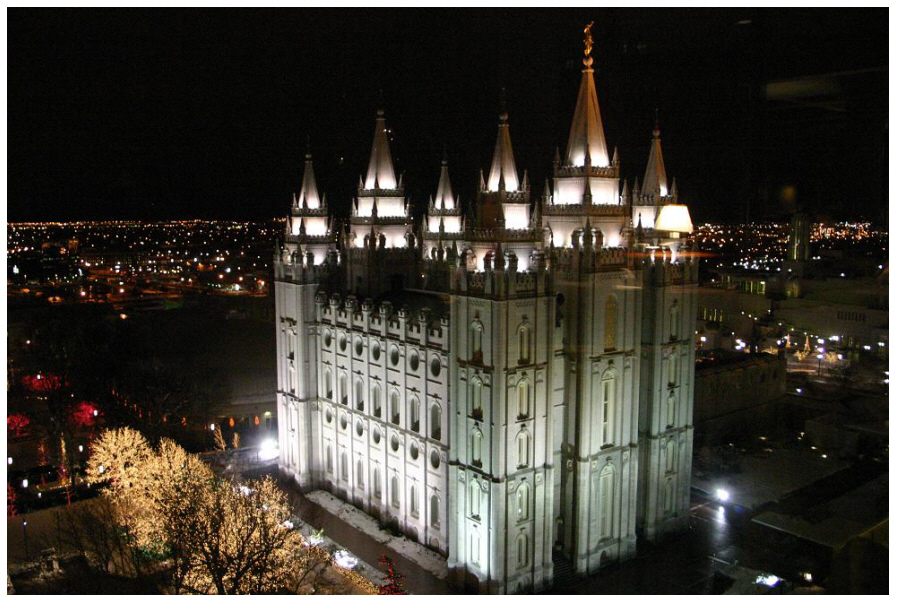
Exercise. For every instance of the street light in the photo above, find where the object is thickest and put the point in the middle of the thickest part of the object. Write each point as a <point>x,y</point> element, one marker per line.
<point>722,495</point>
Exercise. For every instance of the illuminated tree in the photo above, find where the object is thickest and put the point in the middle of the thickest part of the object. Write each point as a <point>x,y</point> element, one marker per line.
<point>236,440</point>
<point>395,584</point>
<point>219,440</point>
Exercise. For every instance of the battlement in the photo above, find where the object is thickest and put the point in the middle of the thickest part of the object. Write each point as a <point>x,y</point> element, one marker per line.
<point>566,171</point>
<point>580,209</point>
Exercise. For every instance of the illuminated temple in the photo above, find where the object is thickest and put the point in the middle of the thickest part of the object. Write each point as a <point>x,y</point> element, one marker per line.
<point>510,385</point>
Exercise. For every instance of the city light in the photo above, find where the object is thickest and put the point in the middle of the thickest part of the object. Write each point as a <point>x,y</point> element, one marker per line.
<point>767,579</point>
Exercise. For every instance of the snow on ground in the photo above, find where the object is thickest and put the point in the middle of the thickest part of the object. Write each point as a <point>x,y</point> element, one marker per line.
<point>413,551</point>
<point>767,479</point>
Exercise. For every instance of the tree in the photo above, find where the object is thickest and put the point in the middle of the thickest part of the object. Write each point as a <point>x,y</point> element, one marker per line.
<point>220,444</point>
<point>395,582</point>
<point>236,441</point>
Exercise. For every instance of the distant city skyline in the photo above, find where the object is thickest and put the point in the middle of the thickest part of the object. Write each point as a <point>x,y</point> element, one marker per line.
<point>156,115</point>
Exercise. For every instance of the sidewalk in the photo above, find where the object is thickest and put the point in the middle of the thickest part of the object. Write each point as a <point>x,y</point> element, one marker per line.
<point>423,569</point>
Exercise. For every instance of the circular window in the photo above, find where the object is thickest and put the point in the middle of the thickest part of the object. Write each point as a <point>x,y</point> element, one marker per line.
<point>328,338</point>
<point>328,416</point>
<point>359,428</point>
<point>342,342</point>
<point>394,443</point>
<point>375,350</point>
<point>434,459</point>
<point>435,366</point>
<point>376,436</point>
<point>414,451</point>
<point>343,422</point>
<point>414,361</point>
<point>394,355</point>
<point>359,346</point>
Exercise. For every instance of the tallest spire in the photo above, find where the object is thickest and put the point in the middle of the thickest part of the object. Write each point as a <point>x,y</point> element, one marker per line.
<point>380,172</point>
<point>503,173</point>
<point>587,131</point>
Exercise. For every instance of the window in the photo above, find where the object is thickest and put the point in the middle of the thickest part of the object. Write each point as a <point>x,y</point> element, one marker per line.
<point>394,488</point>
<point>610,323</point>
<point>413,451</point>
<point>434,459</point>
<point>434,511</point>
<point>394,409</point>
<point>670,456</point>
<point>435,366</point>
<point>359,346</point>
<point>378,494</point>
<point>344,389</point>
<point>359,394</point>
<point>522,547</point>
<point>523,501</point>
<point>476,342</point>
<point>359,474</point>
<point>344,466</point>
<point>328,383</point>
<point>475,548</point>
<point>523,342</point>
<point>394,355</point>
<point>415,413</point>
<point>522,399</point>
<point>668,496</point>
<point>476,448</point>
<point>608,399</point>
<point>674,321</point>
<point>329,454</point>
<point>414,361</point>
<point>673,368</point>
<point>605,518</point>
<point>415,511</point>
<point>435,422</point>
<point>474,492</point>
<point>671,409</point>
<point>476,399</point>
<point>375,350</point>
<point>375,398</point>
<point>523,450</point>
<point>359,428</point>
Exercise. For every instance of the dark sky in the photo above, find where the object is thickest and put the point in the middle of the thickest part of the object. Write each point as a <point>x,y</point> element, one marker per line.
<point>158,114</point>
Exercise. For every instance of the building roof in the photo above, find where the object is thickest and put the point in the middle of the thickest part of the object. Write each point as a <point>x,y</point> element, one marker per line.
<point>655,181</point>
<point>587,131</point>
<point>308,194</point>
<point>445,199</point>
<point>503,173</point>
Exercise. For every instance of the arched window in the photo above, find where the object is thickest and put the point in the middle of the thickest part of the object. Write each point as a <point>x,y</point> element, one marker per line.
<point>435,422</point>
<point>474,495</point>
<point>394,407</point>
<point>434,511</point>
<point>522,549</point>
<point>606,488</point>
<point>414,403</point>
<point>671,409</point>
<point>359,394</point>
<point>610,323</point>
<point>344,389</point>
<point>674,321</point>
<point>523,450</point>
<point>359,474</point>
<point>415,507</point>
<point>523,342</point>
<point>394,490</point>
<point>668,496</point>
<point>344,466</point>
<point>328,383</point>
<point>673,367</point>
<point>670,456</point>
<point>522,399</point>
<point>378,493</point>
<point>476,399</point>
<point>476,448</point>
<point>523,501</point>
<point>608,403</point>
<point>375,398</point>
<point>476,341</point>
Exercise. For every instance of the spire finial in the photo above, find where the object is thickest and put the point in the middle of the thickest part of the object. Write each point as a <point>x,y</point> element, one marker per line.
<point>307,147</point>
<point>587,42</point>
<point>656,123</point>
<point>503,105</point>
<point>444,154</point>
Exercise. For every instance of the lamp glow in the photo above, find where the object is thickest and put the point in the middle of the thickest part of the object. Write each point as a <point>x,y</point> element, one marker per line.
<point>268,450</point>
<point>674,218</point>
<point>722,495</point>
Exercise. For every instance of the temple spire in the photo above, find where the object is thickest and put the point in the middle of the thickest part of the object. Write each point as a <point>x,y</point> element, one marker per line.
<point>655,181</point>
<point>503,167</point>
<point>380,171</point>
<point>444,197</point>
<point>587,131</point>
<point>308,194</point>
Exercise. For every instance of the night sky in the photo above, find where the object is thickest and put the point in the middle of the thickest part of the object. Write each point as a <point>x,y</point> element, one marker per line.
<point>151,114</point>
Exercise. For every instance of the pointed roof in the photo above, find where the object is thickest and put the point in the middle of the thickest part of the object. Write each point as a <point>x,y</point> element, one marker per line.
<point>503,167</point>
<point>655,174</point>
<point>444,197</point>
<point>308,194</point>
<point>380,171</point>
<point>587,131</point>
